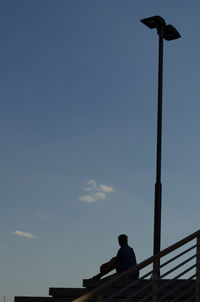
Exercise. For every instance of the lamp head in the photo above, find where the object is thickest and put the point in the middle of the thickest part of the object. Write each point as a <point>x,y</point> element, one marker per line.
<point>153,22</point>
<point>171,33</point>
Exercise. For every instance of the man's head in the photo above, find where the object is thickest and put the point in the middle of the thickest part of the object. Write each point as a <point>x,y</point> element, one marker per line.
<point>123,239</point>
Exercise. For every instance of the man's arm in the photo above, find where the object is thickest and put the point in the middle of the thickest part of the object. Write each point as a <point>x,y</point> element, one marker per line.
<point>108,266</point>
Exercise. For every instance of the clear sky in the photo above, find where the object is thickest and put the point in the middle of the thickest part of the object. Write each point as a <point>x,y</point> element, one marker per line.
<point>78,105</point>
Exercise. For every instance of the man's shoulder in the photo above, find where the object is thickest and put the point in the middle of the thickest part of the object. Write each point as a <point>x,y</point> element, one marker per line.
<point>125,248</point>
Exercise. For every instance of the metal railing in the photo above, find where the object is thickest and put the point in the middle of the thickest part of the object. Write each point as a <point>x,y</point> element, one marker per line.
<point>181,259</point>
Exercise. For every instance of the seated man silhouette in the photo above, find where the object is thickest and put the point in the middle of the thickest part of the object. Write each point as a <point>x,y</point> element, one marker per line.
<point>124,260</point>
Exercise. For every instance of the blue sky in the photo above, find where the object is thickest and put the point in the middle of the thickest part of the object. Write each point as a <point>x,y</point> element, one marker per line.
<point>78,133</point>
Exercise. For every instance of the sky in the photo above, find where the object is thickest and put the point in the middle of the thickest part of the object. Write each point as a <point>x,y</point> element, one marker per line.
<point>78,106</point>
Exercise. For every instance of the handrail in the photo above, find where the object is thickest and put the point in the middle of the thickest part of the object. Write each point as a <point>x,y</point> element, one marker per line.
<point>178,266</point>
<point>179,255</point>
<point>140,266</point>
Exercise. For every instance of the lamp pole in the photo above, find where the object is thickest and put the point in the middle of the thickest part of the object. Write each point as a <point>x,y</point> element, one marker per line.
<point>167,32</point>
<point>158,184</point>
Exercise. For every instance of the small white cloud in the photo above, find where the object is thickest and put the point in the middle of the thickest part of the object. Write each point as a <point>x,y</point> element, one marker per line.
<point>23,234</point>
<point>93,197</point>
<point>91,185</point>
<point>44,217</point>
<point>107,189</point>
<point>96,192</point>
<point>92,182</point>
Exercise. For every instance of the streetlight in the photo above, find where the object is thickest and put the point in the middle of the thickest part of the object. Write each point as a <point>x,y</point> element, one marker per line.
<point>167,32</point>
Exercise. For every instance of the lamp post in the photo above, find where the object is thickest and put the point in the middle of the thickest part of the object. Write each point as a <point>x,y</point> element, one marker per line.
<point>167,32</point>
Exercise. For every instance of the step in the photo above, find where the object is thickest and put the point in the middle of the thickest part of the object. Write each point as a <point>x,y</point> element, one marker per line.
<point>90,283</point>
<point>78,292</point>
<point>33,299</point>
<point>64,292</point>
<point>67,299</point>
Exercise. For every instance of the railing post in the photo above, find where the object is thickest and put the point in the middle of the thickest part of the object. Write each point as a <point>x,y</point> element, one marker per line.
<point>197,292</point>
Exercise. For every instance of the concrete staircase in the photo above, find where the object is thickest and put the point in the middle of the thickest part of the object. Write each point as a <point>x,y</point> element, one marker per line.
<point>69,294</point>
